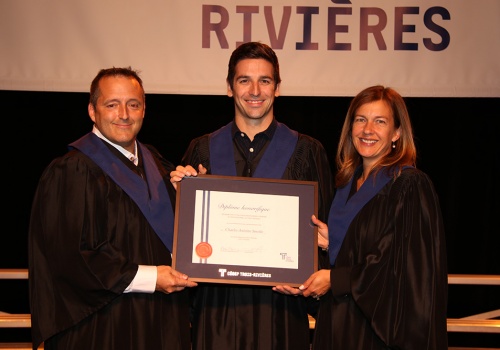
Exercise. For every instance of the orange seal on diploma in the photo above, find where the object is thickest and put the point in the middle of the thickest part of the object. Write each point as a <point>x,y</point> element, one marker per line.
<point>203,250</point>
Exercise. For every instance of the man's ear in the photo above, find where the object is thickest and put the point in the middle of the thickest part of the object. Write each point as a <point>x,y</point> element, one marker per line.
<point>91,110</point>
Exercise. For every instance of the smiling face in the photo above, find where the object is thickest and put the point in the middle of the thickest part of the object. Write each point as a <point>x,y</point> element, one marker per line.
<point>373,132</point>
<point>119,111</point>
<point>254,91</point>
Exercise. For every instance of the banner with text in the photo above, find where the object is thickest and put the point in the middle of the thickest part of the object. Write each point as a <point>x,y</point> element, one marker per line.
<point>423,48</point>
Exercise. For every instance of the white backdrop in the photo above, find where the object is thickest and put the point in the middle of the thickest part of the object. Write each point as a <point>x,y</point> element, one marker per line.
<point>423,48</point>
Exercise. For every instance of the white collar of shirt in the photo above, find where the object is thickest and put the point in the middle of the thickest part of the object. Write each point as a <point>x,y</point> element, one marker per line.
<point>132,156</point>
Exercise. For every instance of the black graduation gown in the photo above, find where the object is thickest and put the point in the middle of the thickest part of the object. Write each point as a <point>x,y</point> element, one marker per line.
<point>86,240</point>
<point>389,284</point>
<point>234,317</point>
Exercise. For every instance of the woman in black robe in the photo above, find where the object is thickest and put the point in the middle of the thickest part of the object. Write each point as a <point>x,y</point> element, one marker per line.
<point>387,284</point>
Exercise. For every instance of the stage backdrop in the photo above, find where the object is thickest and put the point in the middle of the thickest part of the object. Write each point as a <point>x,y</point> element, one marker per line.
<point>423,48</point>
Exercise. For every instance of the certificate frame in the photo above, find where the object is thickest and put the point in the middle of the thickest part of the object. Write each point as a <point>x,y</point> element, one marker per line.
<point>214,239</point>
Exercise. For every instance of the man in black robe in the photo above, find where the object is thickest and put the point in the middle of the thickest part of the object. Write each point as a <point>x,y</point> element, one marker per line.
<point>255,144</point>
<point>101,235</point>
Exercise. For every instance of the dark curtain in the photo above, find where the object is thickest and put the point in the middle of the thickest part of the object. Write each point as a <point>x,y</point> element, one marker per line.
<point>457,142</point>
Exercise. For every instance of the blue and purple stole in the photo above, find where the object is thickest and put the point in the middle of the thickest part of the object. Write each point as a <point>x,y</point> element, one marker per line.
<point>344,209</point>
<point>273,163</point>
<point>152,197</point>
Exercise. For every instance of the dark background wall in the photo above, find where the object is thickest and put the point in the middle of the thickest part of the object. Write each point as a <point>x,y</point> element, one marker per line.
<point>457,141</point>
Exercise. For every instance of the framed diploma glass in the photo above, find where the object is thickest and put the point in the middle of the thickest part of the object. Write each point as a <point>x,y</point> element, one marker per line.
<point>244,230</point>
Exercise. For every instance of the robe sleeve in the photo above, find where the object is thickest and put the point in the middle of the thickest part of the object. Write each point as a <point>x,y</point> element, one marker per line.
<point>198,152</point>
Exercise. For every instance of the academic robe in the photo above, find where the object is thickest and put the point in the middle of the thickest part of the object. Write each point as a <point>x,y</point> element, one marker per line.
<point>389,282</point>
<point>239,317</point>
<point>86,239</point>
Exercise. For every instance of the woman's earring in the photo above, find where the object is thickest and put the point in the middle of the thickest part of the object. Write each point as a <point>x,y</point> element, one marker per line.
<point>393,144</point>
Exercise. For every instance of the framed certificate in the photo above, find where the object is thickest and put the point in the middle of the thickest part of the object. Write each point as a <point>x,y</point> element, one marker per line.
<point>244,230</point>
